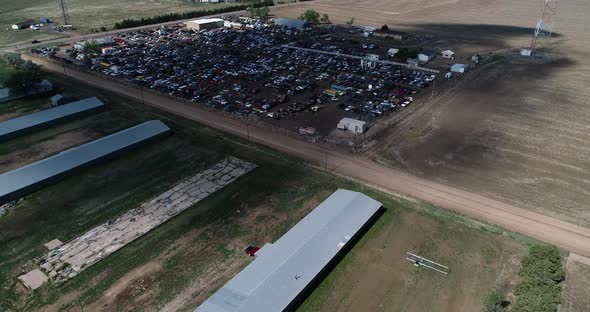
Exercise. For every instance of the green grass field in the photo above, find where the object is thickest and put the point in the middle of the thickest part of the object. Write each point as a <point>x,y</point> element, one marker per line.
<point>85,15</point>
<point>195,253</point>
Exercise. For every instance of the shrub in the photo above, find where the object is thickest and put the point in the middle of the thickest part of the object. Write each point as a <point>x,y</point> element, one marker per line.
<point>541,276</point>
<point>493,301</point>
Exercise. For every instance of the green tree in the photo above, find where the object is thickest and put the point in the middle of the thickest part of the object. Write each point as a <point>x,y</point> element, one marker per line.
<point>22,80</point>
<point>325,18</point>
<point>310,16</point>
<point>14,60</point>
<point>350,22</point>
<point>91,48</point>
<point>493,301</point>
<point>541,275</point>
<point>406,53</point>
<point>264,11</point>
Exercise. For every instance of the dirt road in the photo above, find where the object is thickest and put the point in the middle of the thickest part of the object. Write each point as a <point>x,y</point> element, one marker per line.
<point>566,235</point>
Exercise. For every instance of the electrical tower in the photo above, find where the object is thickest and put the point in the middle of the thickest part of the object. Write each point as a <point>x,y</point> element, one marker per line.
<point>64,10</point>
<point>544,27</point>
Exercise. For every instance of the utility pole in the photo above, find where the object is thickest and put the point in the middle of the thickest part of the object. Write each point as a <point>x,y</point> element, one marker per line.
<point>64,11</point>
<point>433,86</point>
<point>141,94</point>
<point>544,27</point>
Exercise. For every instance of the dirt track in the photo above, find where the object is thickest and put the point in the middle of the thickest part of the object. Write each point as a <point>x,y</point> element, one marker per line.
<point>566,235</point>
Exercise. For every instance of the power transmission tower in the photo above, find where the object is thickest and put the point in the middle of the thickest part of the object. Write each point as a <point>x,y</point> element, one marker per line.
<point>64,10</point>
<point>544,27</point>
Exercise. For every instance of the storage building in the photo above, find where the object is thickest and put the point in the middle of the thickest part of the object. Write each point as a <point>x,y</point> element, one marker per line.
<point>460,68</point>
<point>426,55</point>
<point>285,272</point>
<point>101,42</point>
<point>205,23</point>
<point>28,123</point>
<point>350,124</point>
<point>290,22</point>
<point>25,180</point>
<point>392,51</point>
<point>448,54</point>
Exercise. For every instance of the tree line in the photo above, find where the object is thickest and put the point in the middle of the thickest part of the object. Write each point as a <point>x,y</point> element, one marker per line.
<point>128,23</point>
<point>540,283</point>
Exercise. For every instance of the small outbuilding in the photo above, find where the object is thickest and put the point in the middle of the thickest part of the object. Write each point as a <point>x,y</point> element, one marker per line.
<point>426,55</point>
<point>290,22</point>
<point>392,51</point>
<point>459,68</point>
<point>354,125</point>
<point>44,20</point>
<point>448,54</point>
<point>205,24</point>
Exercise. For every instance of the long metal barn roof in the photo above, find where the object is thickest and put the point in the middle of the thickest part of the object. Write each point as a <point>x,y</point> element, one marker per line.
<point>283,270</point>
<point>20,125</point>
<point>22,181</point>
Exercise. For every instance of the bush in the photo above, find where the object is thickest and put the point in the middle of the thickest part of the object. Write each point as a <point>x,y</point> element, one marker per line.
<point>128,23</point>
<point>21,80</point>
<point>405,53</point>
<point>310,16</point>
<point>541,276</point>
<point>493,301</point>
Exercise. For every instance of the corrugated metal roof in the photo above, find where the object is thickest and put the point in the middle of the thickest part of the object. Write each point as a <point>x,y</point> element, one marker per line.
<point>281,271</point>
<point>24,179</point>
<point>9,128</point>
<point>289,22</point>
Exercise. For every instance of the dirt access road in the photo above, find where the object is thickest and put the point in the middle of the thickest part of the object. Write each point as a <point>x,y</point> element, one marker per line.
<point>563,234</point>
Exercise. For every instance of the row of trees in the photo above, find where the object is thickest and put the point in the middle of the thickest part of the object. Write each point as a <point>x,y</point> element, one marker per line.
<point>312,16</point>
<point>128,23</point>
<point>539,289</point>
<point>22,76</point>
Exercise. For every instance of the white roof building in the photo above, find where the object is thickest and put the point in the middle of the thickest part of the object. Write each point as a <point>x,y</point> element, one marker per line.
<point>282,271</point>
<point>460,68</point>
<point>392,51</point>
<point>447,54</point>
<point>350,124</point>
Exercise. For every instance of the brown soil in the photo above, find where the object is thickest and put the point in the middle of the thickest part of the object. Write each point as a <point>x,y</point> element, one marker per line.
<point>577,285</point>
<point>45,149</point>
<point>134,287</point>
<point>376,277</point>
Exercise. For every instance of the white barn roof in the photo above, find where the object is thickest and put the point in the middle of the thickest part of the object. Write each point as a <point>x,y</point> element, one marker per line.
<point>27,123</point>
<point>25,180</point>
<point>283,270</point>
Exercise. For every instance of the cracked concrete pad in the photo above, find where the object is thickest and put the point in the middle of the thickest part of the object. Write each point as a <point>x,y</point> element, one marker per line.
<point>33,279</point>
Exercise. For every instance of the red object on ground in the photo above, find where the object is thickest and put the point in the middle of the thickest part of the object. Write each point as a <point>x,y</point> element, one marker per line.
<point>251,250</point>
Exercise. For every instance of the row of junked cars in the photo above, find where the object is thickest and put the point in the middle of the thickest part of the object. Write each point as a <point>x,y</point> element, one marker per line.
<point>249,72</point>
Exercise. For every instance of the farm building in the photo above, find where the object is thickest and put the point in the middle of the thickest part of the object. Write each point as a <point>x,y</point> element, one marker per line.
<point>25,124</point>
<point>448,54</point>
<point>283,273</point>
<point>392,51</point>
<point>354,125</point>
<point>205,23</point>
<point>23,25</point>
<point>101,42</point>
<point>460,68</point>
<point>290,22</point>
<point>25,180</point>
<point>426,55</point>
